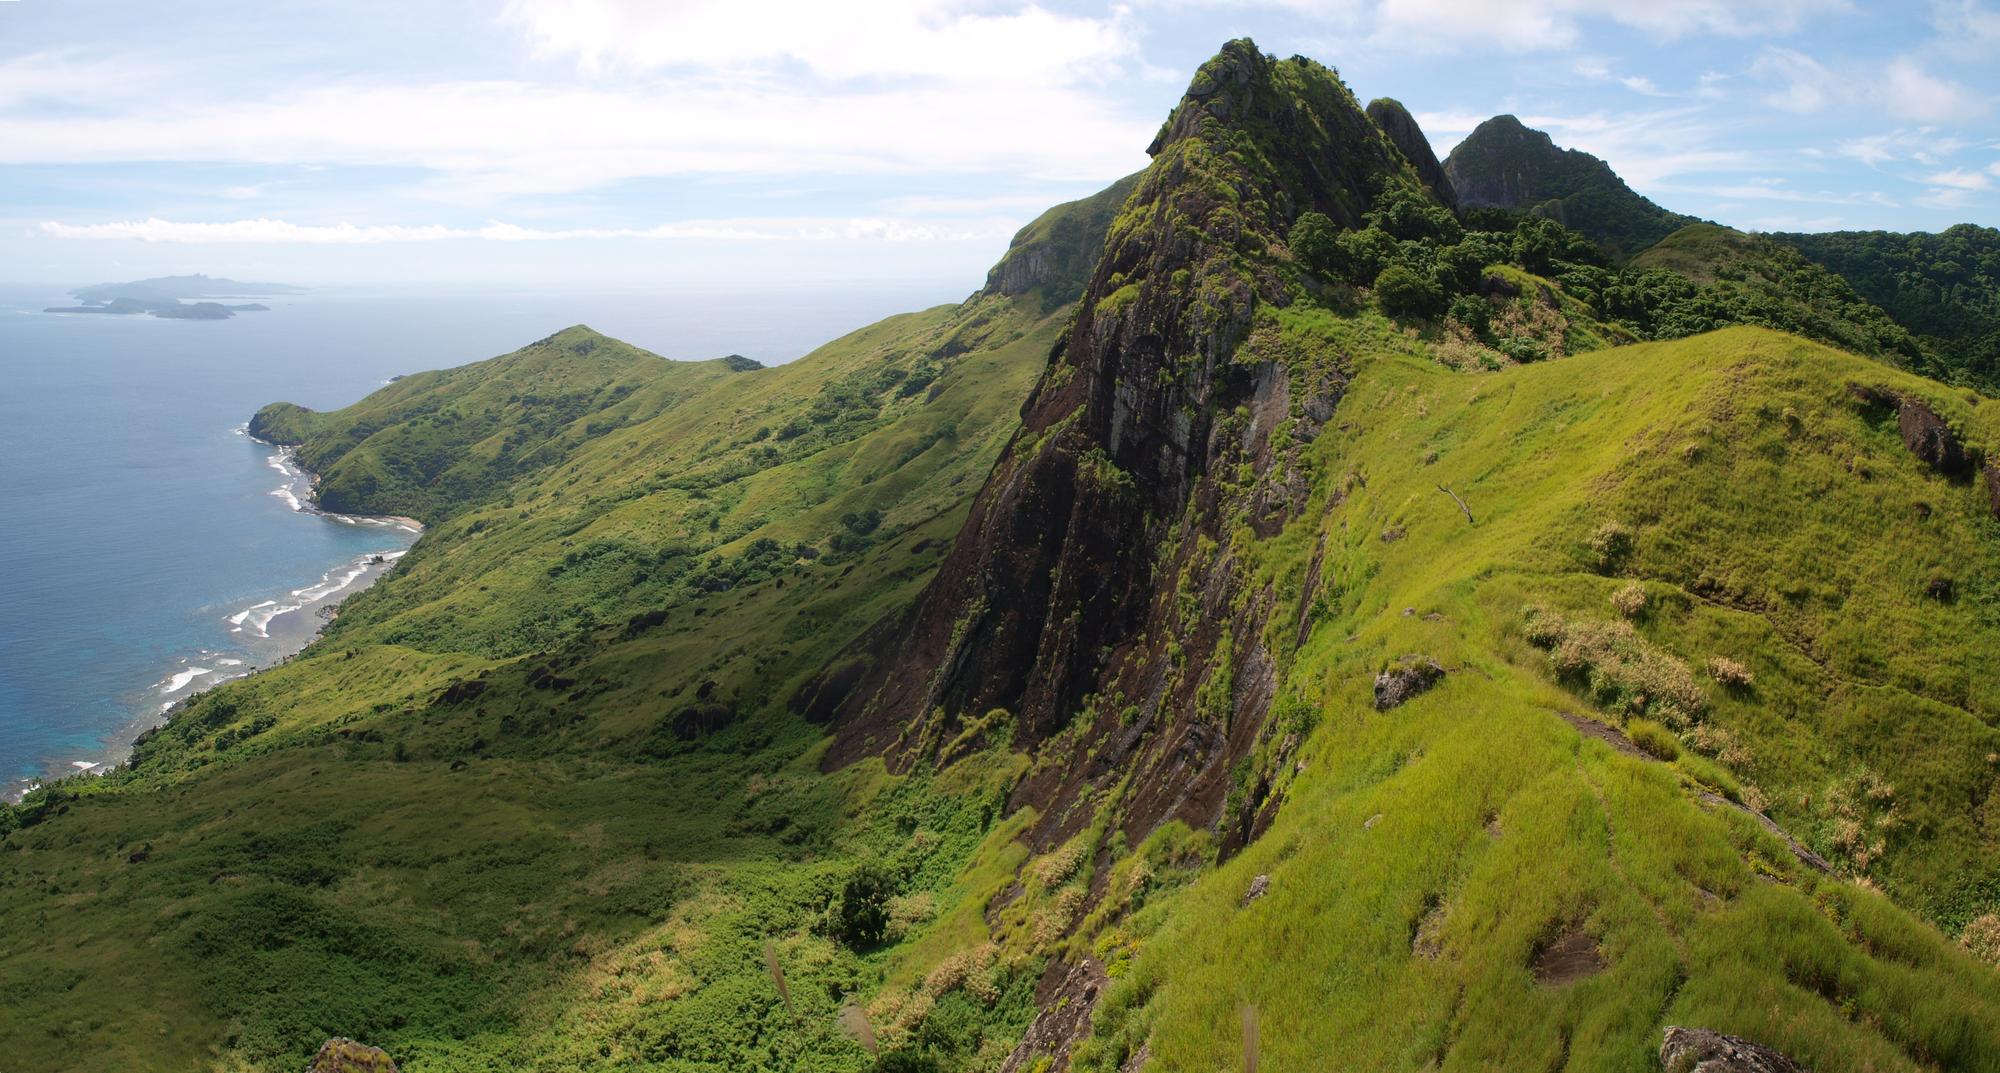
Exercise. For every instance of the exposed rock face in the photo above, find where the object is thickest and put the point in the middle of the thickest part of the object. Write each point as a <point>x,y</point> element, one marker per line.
<point>342,1055</point>
<point>1408,138</point>
<point>1101,532</point>
<point>1411,676</point>
<point>1698,1050</point>
<point>1927,436</point>
<point>1066,1000</point>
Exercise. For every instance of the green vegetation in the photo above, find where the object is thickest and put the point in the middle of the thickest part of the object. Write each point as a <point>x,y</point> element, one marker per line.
<point>553,794</point>
<point>1944,287</point>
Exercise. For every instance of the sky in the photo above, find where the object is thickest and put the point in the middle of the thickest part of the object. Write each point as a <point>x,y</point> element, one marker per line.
<point>734,144</point>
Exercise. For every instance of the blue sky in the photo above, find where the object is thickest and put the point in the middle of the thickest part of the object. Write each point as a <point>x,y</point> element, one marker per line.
<point>708,143</point>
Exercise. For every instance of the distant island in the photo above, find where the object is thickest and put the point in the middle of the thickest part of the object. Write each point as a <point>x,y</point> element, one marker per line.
<point>161,297</point>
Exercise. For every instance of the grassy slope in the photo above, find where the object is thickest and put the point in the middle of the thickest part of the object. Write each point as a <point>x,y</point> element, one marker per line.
<point>1770,521</point>
<point>332,848</point>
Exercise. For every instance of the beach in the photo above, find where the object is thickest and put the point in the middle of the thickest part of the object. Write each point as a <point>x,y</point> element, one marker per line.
<point>260,633</point>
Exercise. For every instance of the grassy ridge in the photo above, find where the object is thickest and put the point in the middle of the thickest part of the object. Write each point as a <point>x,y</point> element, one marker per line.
<point>1426,855</point>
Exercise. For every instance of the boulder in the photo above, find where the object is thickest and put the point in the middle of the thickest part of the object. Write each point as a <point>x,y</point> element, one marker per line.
<point>1406,679</point>
<point>343,1055</point>
<point>1929,438</point>
<point>1699,1050</point>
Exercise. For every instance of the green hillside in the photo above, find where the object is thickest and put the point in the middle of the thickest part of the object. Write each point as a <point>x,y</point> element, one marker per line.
<point>1309,624</point>
<point>1943,287</point>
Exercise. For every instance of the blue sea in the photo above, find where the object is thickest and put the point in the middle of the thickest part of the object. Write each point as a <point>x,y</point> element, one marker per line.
<point>149,543</point>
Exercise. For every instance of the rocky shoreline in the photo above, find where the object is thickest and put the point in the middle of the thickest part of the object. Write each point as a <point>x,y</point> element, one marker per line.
<point>274,631</point>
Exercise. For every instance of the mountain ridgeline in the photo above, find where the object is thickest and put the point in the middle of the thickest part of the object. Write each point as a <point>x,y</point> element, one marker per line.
<point>1312,601</point>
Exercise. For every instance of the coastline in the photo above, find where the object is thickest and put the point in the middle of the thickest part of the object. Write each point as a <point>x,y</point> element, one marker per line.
<point>270,632</point>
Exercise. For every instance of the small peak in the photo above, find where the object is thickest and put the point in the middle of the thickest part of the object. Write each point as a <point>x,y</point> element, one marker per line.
<point>577,338</point>
<point>737,363</point>
<point>1401,127</point>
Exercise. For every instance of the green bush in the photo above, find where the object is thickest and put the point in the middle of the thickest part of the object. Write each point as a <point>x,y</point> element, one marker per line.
<point>1405,295</point>
<point>860,912</point>
<point>1315,243</point>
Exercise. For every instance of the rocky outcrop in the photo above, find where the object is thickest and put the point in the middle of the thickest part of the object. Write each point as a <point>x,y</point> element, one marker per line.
<point>1066,999</point>
<point>342,1055</point>
<point>1927,436</point>
<point>1698,1050</point>
<point>1408,138</point>
<point>1104,528</point>
<point>1930,439</point>
<point>1409,677</point>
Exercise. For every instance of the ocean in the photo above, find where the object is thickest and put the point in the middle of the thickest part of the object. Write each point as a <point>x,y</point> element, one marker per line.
<point>151,549</point>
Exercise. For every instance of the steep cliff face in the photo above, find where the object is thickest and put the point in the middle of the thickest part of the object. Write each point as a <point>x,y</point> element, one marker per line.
<point>1086,595</point>
<point>1506,164</point>
<point>1408,138</point>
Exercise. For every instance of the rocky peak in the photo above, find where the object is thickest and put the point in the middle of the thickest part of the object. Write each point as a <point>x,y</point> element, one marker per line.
<point>1506,164</point>
<point>1071,551</point>
<point>1408,138</point>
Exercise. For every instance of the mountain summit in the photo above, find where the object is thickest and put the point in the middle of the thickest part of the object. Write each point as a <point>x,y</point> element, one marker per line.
<point>1507,165</point>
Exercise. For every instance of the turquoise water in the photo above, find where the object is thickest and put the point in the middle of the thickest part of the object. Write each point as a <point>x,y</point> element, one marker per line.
<point>141,524</point>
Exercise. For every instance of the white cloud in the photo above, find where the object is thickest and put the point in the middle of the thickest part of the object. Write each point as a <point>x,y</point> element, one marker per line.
<point>499,138</point>
<point>1902,88</point>
<point>1960,179</point>
<point>1966,29</point>
<point>1946,198</point>
<point>1914,93</point>
<point>1642,85</point>
<point>762,229</point>
<point>1807,84</point>
<point>1647,148</point>
<point>1923,144</point>
<point>1528,25</point>
<point>1775,189</point>
<point>929,39</point>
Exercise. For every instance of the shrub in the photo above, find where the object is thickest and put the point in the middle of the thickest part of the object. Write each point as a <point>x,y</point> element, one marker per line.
<point>1610,544</point>
<point>1473,312</point>
<point>1315,243</point>
<point>1365,253</point>
<point>1654,740</point>
<point>1630,600</point>
<point>1406,295</point>
<point>1729,672</point>
<point>1982,938</point>
<point>860,913</point>
<point>1411,214</point>
<point>1621,670</point>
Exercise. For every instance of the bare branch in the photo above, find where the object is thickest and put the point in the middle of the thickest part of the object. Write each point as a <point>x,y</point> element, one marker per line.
<point>1460,502</point>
